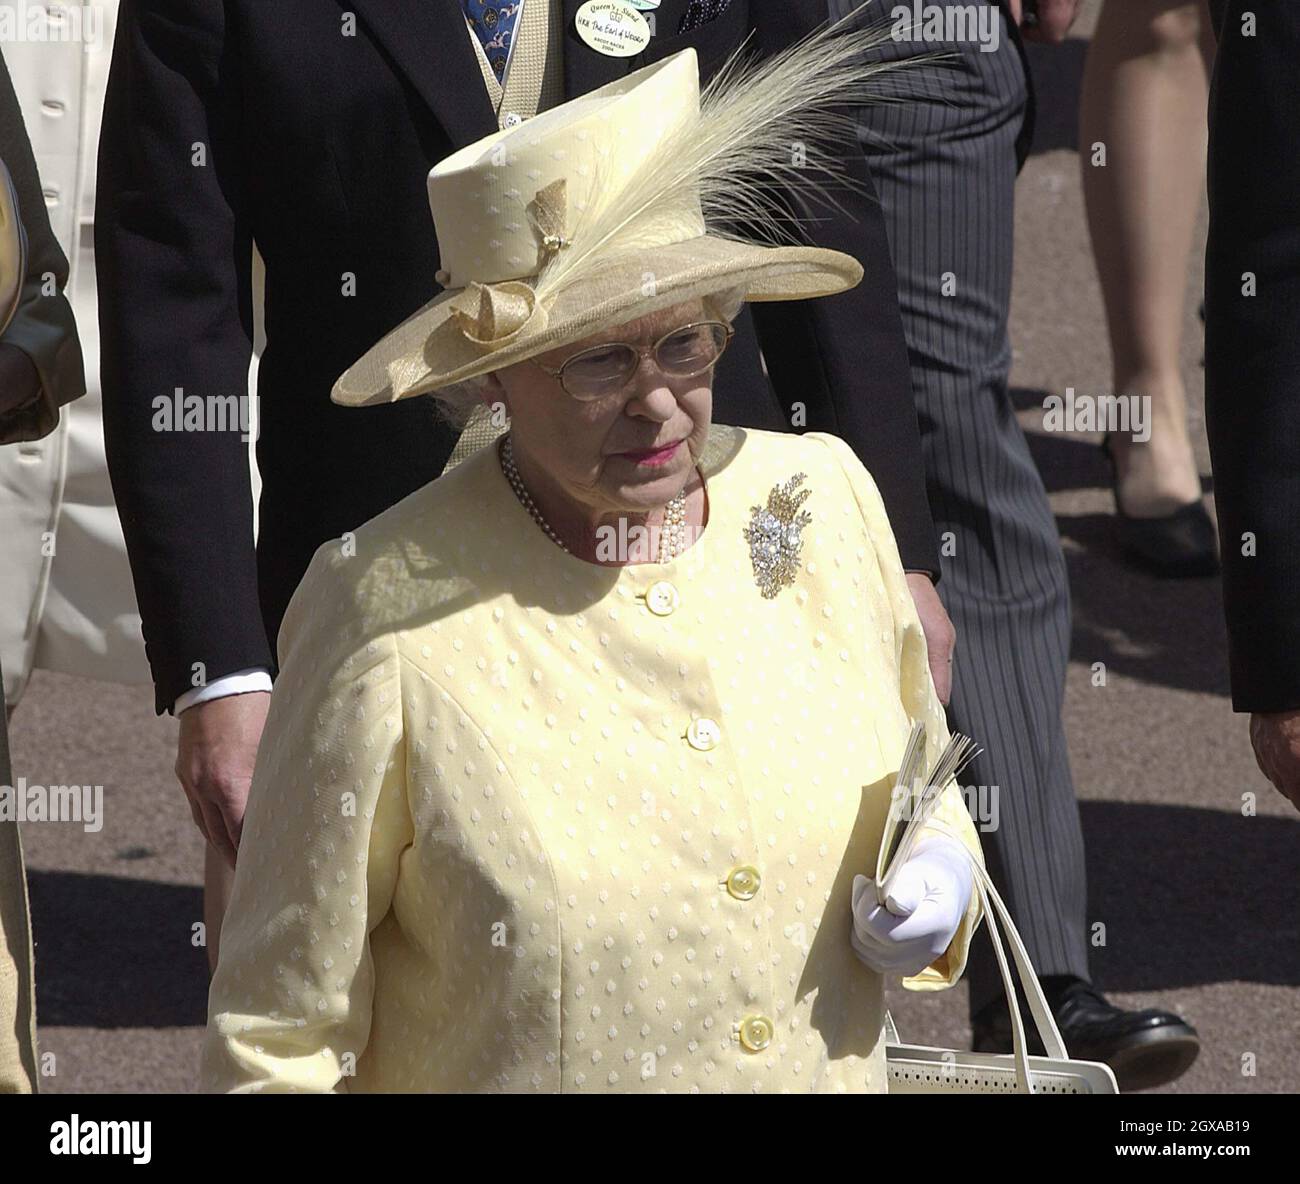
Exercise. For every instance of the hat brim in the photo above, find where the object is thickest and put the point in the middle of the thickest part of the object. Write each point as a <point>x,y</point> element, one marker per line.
<point>430,344</point>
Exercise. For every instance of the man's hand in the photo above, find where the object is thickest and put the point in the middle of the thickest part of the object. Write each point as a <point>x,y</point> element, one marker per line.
<point>940,636</point>
<point>1053,20</point>
<point>1276,739</point>
<point>214,761</point>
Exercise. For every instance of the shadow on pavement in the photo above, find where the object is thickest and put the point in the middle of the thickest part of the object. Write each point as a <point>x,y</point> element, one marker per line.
<point>1191,896</point>
<point>116,953</point>
<point>1165,632</point>
<point>1188,896</point>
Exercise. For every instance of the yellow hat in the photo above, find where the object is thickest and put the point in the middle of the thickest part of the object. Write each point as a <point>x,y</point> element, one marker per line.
<point>621,202</point>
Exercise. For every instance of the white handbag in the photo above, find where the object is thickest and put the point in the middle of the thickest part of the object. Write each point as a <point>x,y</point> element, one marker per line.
<point>916,1069</point>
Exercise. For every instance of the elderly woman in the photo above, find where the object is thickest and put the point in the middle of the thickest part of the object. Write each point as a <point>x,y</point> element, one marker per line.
<point>578,755</point>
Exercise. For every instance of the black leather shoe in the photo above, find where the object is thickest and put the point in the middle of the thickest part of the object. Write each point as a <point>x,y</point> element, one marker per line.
<point>1177,545</point>
<point>1144,1048</point>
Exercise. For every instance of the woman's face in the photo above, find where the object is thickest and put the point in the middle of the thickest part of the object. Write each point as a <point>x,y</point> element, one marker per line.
<point>596,453</point>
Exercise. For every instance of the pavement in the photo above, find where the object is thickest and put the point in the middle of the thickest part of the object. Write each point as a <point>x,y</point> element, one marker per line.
<point>1193,903</point>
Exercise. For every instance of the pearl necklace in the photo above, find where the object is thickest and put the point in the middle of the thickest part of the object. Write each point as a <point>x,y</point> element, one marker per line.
<point>672,535</point>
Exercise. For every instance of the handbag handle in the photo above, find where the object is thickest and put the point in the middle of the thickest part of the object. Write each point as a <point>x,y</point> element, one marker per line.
<point>1048,1032</point>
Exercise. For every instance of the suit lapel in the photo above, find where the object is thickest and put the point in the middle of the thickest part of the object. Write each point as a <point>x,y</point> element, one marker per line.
<point>427,41</point>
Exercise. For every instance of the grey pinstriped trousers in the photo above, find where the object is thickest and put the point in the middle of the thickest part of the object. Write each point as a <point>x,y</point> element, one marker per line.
<point>944,164</point>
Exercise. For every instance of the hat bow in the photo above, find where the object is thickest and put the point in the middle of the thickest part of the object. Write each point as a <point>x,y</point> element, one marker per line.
<point>491,314</point>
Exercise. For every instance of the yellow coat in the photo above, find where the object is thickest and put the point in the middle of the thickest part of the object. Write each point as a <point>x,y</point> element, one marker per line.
<point>503,793</point>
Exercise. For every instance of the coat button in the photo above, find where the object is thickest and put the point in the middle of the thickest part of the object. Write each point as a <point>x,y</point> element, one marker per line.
<point>661,599</point>
<point>703,734</point>
<point>511,119</point>
<point>756,1032</point>
<point>743,882</point>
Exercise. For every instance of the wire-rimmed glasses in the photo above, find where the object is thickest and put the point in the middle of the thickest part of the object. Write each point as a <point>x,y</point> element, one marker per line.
<point>605,369</point>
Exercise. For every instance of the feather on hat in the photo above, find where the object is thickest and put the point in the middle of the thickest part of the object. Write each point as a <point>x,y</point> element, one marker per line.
<point>642,194</point>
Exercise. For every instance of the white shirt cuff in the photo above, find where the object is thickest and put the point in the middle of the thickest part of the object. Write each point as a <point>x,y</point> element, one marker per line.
<point>240,683</point>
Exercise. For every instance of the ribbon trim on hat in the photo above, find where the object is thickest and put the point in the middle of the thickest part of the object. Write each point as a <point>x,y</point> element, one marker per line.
<point>548,212</point>
<point>490,314</point>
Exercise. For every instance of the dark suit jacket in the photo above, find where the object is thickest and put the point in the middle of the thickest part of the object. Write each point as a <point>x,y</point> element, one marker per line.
<point>1024,142</point>
<point>233,120</point>
<point>1252,344</point>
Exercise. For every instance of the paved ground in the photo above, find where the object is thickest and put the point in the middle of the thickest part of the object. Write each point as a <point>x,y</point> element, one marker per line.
<point>1196,914</point>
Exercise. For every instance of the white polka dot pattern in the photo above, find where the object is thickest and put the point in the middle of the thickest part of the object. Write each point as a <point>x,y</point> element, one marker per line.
<point>521,823</point>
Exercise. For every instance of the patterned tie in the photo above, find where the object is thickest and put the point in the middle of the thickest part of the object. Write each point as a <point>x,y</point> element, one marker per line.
<point>494,24</point>
<point>700,12</point>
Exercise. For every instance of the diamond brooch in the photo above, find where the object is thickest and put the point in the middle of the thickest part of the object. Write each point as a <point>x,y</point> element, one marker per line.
<point>775,536</point>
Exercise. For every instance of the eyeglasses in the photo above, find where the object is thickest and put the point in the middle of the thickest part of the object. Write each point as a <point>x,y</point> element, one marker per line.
<point>606,369</point>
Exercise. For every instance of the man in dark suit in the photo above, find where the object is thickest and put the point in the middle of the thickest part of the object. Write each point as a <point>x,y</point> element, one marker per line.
<point>1252,365</point>
<point>944,164</point>
<point>309,126</point>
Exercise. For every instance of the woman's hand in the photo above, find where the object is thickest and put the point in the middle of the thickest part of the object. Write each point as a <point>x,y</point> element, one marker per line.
<point>923,911</point>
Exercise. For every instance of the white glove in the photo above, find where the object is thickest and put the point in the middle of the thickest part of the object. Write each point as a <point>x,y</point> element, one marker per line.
<point>923,912</point>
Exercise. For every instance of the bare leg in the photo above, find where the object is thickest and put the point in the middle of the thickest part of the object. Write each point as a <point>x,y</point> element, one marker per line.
<point>1144,97</point>
<point>218,876</point>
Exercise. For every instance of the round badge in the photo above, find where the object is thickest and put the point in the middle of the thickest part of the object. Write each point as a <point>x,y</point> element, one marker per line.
<point>612,27</point>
